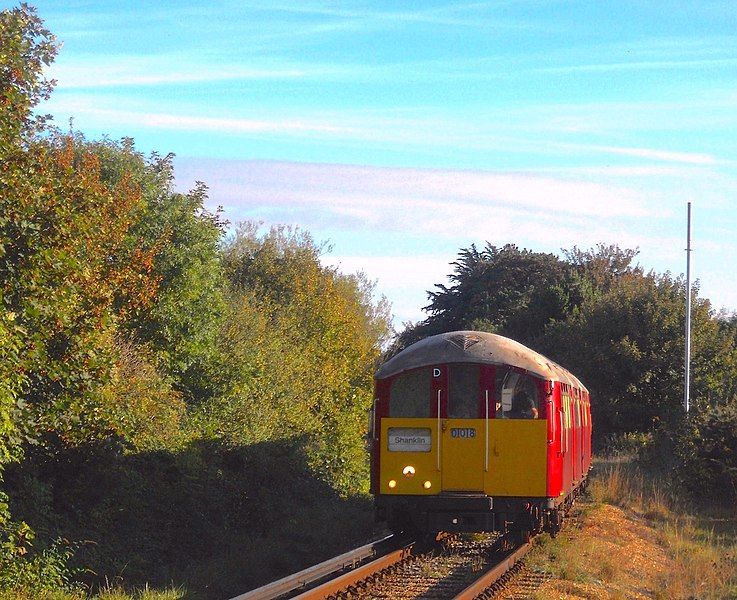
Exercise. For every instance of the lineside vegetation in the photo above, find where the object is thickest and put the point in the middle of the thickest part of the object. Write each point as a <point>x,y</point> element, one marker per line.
<point>171,397</point>
<point>632,537</point>
<point>177,402</point>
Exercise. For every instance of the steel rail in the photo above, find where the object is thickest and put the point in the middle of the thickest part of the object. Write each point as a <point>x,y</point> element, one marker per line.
<point>358,574</point>
<point>324,569</point>
<point>494,574</point>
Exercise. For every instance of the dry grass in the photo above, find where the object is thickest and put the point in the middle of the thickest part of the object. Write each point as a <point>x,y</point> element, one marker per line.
<point>706,563</point>
<point>633,539</point>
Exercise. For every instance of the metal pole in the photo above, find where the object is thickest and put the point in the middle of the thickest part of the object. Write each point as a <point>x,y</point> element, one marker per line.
<point>687,383</point>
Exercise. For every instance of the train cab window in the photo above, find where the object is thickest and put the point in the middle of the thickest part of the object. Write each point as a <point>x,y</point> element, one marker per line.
<point>410,395</point>
<point>517,397</point>
<point>463,393</point>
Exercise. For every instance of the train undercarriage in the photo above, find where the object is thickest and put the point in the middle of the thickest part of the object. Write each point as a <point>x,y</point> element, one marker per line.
<point>473,512</point>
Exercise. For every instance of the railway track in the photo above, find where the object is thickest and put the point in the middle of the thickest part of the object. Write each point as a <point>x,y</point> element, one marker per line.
<point>457,566</point>
<point>342,571</point>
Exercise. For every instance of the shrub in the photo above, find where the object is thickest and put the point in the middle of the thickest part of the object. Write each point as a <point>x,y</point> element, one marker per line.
<point>143,408</point>
<point>704,448</point>
<point>22,566</point>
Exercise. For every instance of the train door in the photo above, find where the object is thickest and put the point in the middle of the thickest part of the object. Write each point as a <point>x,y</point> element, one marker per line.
<point>581,456</point>
<point>577,437</point>
<point>518,436</point>
<point>463,430</point>
<point>555,463</point>
<point>565,439</point>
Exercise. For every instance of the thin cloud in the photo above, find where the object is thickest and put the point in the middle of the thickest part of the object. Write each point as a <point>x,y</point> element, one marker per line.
<point>122,71</point>
<point>379,131</point>
<point>465,15</point>
<point>641,65</point>
<point>661,155</point>
<point>436,202</point>
<point>408,272</point>
<point>179,122</point>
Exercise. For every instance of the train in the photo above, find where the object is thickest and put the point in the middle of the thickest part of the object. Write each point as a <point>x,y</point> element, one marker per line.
<point>475,432</point>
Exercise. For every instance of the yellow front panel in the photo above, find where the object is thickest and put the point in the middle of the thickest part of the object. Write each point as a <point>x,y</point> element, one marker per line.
<point>517,457</point>
<point>462,455</point>
<point>516,463</point>
<point>425,464</point>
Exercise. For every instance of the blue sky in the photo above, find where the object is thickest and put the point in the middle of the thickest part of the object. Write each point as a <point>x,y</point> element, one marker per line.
<point>401,132</point>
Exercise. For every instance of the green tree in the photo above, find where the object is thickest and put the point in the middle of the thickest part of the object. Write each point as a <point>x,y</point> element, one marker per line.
<point>304,340</point>
<point>25,48</point>
<point>181,325</point>
<point>503,290</point>
<point>626,344</point>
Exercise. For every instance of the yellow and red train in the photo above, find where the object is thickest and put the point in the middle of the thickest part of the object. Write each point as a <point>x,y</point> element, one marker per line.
<point>472,431</point>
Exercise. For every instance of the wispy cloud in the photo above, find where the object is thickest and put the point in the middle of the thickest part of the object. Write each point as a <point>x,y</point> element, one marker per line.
<point>190,123</point>
<point>431,201</point>
<point>470,14</point>
<point>123,71</point>
<point>691,158</point>
<point>641,65</point>
<point>378,129</point>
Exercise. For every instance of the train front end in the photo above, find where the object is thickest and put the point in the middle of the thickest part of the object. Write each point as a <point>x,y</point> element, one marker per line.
<point>464,429</point>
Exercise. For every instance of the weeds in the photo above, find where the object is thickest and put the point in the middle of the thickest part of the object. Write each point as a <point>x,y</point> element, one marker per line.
<point>663,549</point>
<point>110,593</point>
<point>144,593</point>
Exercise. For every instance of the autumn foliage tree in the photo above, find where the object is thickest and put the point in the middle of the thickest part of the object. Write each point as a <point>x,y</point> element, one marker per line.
<point>304,340</point>
<point>25,47</point>
<point>65,260</point>
<point>97,252</point>
<point>135,339</point>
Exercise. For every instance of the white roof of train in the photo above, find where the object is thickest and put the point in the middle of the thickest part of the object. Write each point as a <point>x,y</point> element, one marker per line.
<point>476,347</point>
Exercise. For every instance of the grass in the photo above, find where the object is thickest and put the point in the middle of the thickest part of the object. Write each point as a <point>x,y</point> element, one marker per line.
<point>110,593</point>
<point>706,562</point>
<point>634,538</point>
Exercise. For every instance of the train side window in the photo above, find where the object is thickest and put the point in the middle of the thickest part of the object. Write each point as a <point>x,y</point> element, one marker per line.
<point>518,397</point>
<point>410,395</point>
<point>463,393</point>
<point>499,386</point>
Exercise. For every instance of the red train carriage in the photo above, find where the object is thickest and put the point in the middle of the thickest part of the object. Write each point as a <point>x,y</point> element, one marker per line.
<point>473,431</point>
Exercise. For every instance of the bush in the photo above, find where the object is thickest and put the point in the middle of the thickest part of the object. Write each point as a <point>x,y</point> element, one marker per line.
<point>698,453</point>
<point>706,450</point>
<point>22,566</point>
<point>144,409</point>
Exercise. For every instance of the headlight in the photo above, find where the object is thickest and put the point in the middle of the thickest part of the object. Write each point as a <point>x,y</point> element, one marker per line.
<point>392,483</point>
<point>408,471</point>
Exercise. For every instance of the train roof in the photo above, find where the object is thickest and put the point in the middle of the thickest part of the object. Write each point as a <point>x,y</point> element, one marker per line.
<point>476,347</point>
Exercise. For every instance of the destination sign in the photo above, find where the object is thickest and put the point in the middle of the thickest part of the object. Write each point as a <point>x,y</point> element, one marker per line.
<point>410,439</point>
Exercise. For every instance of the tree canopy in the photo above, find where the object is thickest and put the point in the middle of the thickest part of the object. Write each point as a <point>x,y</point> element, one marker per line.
<point>131,325</point>
<point>620,329</point>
